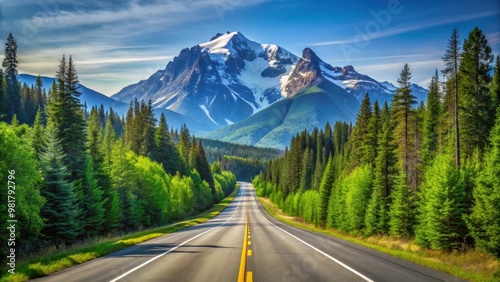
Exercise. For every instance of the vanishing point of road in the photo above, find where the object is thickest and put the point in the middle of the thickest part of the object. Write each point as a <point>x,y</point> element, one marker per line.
<point>244,243</point>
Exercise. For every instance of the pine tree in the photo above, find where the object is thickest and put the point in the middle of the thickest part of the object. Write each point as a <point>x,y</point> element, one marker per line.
<point>495,85</point>
<point>30,103</point>
<point>61,208</point>
<point>38,137</point>
<point>203,168</point>
<point>294,163</point>
<point>371,138</point>
<point>14,122</point>
<point>39,96</point>
<point>360,130</point>
<point>165,151</point>
<point>442,206</point>
<point>358,188</point>
<point>319,166</point>
<point>107,143</point>
<point>199,162</point>
<point>13,93</point>
<point>148,125</point>
<point>416,156</point>
<point>476,112</point>
<point>307,170</point>
<point>339,136</point>
<point>484,220</point>
<point>94,137</point>
<point>451,60</point>
<point>403,115</point>
<point>92,204</point>
<point>325,190</point>
<point>3,96</point>
<point>128,134</point>
<point>185,145</point>
<point>376,219</point>
<point>329,147</point>
<point>192,154</point>
<point>401,212</point>
<point>100,154</point>
<point>66,116</point>
<point>64,111</point>
<point>431,121</point>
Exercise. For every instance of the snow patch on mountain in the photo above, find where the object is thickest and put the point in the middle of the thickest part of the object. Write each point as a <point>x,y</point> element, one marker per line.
<point>204,108</point>
<point>257,59</point>
<point>331,75</point>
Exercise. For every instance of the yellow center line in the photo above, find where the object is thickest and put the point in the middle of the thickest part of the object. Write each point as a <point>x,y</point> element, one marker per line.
<point>249,276</point>
<point>244,251</point>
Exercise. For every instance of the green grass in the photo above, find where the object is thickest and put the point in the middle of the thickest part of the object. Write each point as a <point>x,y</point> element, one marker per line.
<point>61,259</point>
<point>472,265</point>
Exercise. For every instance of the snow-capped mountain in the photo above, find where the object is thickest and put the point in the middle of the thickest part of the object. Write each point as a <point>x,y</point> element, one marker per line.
<point>229,78</point>
<point>219,82</point>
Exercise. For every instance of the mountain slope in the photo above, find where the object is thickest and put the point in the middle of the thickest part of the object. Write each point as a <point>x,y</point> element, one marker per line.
<point>311,101</point>
<point>276,125</point>
<point>88,96</point>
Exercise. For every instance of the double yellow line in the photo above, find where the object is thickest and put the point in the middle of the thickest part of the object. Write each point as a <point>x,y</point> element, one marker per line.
<point>245,252</point>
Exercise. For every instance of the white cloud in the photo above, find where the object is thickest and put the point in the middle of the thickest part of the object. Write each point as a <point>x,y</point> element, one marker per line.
<point>409,28</point>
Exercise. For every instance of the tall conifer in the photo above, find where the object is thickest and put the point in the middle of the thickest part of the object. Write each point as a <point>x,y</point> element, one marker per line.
<point>13,93</point>
<point>431,121</point>
<point>61,207</point>
<point>451,59</point>
<point>476,112</point>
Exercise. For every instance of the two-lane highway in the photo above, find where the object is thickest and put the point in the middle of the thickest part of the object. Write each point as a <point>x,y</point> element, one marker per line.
<point>209,251</point>
<point>284,253</point>
<point>244,241</point>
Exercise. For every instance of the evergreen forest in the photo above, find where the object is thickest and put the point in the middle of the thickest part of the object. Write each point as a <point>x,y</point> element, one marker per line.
<point>428,172</point>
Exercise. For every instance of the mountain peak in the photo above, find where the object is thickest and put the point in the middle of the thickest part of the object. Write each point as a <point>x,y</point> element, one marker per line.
<point>309,55</point>
<point>218,35</point>
<point>231,43</point>
<point>348,69</point>
<point>306,71</point>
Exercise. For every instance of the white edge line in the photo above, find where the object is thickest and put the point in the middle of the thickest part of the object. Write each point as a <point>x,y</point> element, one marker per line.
<point>174,248</point>
<point>314,248</point>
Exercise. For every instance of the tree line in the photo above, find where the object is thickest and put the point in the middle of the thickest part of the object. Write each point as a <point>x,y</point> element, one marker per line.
<point>425,171</point>
<point>244,161</point>
<point>82,174</point>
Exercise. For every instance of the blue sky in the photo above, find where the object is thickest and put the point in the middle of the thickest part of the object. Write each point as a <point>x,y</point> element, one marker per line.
<point>117,43</point>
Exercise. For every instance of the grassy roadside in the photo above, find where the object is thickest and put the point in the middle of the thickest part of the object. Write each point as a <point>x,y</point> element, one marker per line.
<point>57,261</point>
<point>472,265</point>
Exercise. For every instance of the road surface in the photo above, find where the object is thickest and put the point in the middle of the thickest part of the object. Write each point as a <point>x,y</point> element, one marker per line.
<point>245,243</point>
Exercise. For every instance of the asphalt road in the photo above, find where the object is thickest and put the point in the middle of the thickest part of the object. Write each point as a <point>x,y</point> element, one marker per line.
<point>245,242</point>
